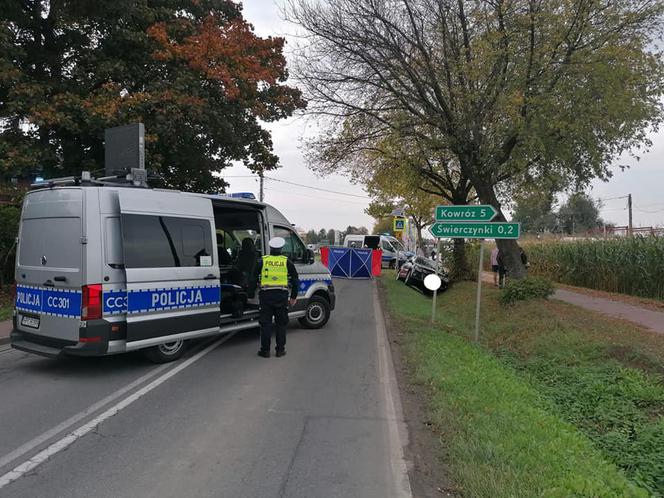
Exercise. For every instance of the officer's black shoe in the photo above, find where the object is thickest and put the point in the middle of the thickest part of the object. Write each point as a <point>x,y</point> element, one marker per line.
<point>281,353</point>
<point>264,354</point>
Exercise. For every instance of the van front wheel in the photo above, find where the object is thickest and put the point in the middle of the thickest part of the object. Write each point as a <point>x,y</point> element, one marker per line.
<point>316,314</point>
<point>163,353</point>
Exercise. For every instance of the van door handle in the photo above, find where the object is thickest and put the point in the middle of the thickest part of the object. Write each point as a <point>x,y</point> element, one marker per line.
<point>60,279</point>
<point>48,283</point>
<point>210,277</point>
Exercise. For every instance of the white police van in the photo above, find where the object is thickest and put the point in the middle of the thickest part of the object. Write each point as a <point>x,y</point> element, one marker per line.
<point>104,269</point>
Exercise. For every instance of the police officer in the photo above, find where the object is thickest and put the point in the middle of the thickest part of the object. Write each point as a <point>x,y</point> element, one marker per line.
<point>275,274</point>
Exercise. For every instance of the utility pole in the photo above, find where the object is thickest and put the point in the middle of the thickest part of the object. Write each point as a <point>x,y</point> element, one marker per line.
<point>629,209</point>
<point>260,193</point>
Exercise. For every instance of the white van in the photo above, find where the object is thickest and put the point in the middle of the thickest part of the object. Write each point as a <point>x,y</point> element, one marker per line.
<point>109,269</point>
<point>392,248</point>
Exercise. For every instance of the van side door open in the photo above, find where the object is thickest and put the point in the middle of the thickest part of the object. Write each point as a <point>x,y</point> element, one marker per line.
<point>171,266</point>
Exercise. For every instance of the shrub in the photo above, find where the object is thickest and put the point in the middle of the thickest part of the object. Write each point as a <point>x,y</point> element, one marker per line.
<point>525,289</point>
<point>9,218</point>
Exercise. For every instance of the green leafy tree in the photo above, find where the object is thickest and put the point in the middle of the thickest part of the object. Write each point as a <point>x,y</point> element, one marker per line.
<point>535,213</point>
<point>579,214</point>
<point>9,219</point>
<point>331,234</point>
<point>518,92</point>
<point>193,71</point>
<point>311,237</point>
<point>383,225</point>
<point>398,171</point>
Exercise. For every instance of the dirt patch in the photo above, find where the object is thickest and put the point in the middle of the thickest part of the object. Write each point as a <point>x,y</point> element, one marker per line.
<point>428,470</point>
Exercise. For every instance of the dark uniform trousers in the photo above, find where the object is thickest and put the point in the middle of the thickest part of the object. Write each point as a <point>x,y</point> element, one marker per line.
<point>273,303</point>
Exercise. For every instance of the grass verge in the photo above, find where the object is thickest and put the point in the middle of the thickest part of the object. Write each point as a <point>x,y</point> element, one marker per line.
<point>556,403</point>
<point>5,306</point>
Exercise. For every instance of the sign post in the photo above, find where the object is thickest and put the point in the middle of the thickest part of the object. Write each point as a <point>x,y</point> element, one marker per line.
<point>479,293</point>
<point>473,222</point>
<point>433,283</point>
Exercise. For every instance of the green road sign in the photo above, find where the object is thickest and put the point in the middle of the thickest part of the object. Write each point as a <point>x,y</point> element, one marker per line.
<point>456,230</point>
<point>482,212</point>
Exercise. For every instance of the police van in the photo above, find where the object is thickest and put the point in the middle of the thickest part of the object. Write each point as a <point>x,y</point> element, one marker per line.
<point>104,269</point>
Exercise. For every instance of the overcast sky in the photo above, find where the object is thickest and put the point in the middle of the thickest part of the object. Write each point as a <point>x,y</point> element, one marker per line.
<point>315,209</point>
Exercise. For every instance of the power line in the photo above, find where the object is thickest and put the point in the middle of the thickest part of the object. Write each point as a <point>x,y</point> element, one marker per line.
<point>271,189</point>
<point>613,198</point>
<point>649,212</point>
<point>317,188</point>
<point>301,185</point>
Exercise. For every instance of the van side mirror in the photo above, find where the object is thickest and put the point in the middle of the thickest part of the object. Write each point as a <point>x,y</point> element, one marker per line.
<point>310,257</point>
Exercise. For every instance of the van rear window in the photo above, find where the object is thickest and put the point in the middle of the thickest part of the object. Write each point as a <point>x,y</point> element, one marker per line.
<point>164,241</point>
<point>51,243</point>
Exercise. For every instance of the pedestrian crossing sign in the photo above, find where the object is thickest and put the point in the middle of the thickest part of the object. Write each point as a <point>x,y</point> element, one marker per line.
<point>399,224</point>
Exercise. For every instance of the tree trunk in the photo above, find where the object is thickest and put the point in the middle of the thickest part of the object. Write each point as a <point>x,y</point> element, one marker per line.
<point>460,268</point>
<point>509,249</point>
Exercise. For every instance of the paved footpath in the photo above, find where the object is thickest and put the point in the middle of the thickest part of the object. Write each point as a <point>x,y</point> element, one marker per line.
<point>324,421</point>
<point>649,319</point>
<point>653,320</point>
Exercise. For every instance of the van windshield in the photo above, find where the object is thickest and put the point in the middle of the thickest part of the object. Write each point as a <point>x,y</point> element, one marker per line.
<point>396,244</point>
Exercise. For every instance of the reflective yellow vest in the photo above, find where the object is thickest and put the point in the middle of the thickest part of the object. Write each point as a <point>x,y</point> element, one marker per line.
<point>274,272</point>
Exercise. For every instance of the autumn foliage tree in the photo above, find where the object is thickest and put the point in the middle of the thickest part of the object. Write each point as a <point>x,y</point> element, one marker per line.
<point>193,71</point>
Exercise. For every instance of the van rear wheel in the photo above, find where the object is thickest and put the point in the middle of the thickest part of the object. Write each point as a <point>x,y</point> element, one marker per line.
<point>163,353</point>
<point>316,314</point>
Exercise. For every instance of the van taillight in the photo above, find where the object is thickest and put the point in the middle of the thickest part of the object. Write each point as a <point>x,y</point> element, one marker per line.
<point>91,302</point>
<point>13,294</point>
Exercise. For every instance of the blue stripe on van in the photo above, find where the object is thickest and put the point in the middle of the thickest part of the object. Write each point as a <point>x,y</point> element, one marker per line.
<point>47,301</point>
<point>308,282</point>
<point>146,300</point>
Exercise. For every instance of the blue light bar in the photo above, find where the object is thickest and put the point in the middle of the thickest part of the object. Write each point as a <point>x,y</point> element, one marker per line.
<point>242,195</point>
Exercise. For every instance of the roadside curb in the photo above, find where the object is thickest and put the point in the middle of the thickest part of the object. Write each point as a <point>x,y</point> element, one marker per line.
<point>4,340</point>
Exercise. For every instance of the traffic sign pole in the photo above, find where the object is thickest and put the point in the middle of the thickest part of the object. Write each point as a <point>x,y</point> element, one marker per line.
<point>479,293</point>
<point>472,222</point>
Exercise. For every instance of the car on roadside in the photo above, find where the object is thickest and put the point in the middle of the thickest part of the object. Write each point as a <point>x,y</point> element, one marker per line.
<point>415,269</point>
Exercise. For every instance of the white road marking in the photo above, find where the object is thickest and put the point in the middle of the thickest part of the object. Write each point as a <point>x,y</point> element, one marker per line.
<point>45,436</point>
<point>396,430</point>
<point>73,436</point>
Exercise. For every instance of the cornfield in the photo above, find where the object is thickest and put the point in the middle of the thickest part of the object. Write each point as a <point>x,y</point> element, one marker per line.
<point>632,265</point>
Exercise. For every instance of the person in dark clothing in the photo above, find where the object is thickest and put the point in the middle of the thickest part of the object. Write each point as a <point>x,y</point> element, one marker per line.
<point>247,259</point>
<point>502,270</point>
<point>279,284</point>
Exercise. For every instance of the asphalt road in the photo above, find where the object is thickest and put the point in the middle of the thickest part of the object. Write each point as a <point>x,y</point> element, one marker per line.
<point>324,421</point>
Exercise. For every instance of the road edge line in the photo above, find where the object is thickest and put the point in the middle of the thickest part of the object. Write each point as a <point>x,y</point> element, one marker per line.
<point>397,432</point>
